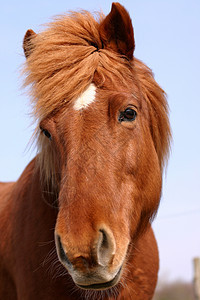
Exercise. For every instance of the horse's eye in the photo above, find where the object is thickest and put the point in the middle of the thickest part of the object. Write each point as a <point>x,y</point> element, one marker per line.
<point>46,133</point>
<point>128,114</point>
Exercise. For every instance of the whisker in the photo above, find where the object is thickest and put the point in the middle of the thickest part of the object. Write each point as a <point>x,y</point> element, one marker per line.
<point>41,244</point>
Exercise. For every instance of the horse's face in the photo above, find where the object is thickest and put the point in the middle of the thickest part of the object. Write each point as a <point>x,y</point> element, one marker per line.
<point>109,171</point>
<point>110,182</point>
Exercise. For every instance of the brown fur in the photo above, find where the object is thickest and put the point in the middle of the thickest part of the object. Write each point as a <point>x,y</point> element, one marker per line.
<point>101,174</point>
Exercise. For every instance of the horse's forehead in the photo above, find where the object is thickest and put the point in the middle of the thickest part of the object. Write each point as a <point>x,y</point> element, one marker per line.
<point>89,96</point>
<point>86,98</point>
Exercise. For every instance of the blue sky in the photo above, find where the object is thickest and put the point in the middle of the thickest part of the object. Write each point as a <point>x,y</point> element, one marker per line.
<point>168,41</point>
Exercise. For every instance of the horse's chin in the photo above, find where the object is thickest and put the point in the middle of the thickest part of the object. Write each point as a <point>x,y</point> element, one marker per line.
<point>103,285</point>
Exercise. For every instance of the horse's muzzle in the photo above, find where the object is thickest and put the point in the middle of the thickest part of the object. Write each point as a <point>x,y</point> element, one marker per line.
<point>95,270</point>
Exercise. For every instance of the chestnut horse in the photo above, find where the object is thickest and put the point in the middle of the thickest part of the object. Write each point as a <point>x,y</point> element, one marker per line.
<point>76,225</point>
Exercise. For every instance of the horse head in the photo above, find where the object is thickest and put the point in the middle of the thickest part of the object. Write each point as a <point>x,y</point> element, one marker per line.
<point>103,135</point>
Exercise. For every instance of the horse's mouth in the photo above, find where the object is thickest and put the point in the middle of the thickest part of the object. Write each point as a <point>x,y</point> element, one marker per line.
<point>104,285</point>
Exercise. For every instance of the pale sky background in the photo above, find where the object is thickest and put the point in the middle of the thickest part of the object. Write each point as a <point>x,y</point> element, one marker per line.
<point>167,35</point>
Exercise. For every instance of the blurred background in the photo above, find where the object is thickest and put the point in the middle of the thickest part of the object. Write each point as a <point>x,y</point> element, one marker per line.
<point>168,40</point>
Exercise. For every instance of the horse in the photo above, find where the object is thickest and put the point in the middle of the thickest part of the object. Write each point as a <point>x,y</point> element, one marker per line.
<point>77,223</point>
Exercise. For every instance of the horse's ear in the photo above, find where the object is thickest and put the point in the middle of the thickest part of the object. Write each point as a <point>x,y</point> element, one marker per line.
<point>28,42</point>
<point>116,31</point>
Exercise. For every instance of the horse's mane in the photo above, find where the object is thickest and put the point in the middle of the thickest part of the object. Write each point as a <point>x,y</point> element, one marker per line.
<point>64,60</point>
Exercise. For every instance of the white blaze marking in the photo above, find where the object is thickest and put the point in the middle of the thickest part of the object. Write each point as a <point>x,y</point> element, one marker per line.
<point>85,98</point>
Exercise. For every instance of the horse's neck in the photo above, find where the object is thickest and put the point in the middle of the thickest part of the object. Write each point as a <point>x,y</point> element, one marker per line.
<point>33,197</point>
<point>33,220</point>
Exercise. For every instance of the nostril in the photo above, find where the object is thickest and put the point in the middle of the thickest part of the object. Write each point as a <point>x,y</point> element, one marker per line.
<point>104,243</point>
<point>106,247</point>
<point>61,253</point>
